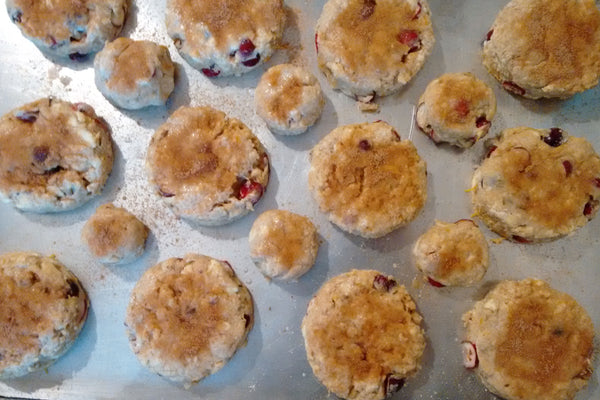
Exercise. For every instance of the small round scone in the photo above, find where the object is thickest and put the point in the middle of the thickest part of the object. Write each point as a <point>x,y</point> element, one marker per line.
<point>363,335</point>
<point>228,37</point>
<point>537,185</point>
<point>373,48</point>
<point>289,99</point>
<point>366,179</point>
<point>43,310</point>
<point>114,236</point>
<point>134,74</point>
<point>452,254</point>
<point>283,245</point>
<point>545,48</point>
<point>188,316</point>
<point>65,28</point>
<point>528,341</point>
<point>207,167</point>
<point>456,108</point>
<point>54,155</point>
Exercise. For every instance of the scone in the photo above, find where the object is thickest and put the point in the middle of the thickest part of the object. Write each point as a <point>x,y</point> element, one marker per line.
<point>545,48</point>
<point>207,167</point>
<point>537,185</point>
<point>65,28</point>
<point>289,99</point>
<point>457,109</point>
<point>114,236</point>
<point>363,335</point>
<point>43,310</point>
<point>452,254</point>
<point>283,245</point>
<point>54,155</point>
<point>366,179</point>
<point>370,48</point>
<point>134,74</point>
<point>188,316</point>
<point>228,37</point>
<point>527,341</point>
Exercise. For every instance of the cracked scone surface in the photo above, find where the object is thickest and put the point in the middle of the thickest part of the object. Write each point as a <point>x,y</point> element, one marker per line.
<point>545,48</point>
<point>537,185</point>
<point>363,335</point>
<point>187,317</point>
<point>367,179</point>
<point>367,48</point>
<point>54,155</point>
<point>533,342</point>
<point>207,167</point>
<point>43,310</point>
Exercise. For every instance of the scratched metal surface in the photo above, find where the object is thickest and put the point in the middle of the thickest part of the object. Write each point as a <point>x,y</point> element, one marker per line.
<point>273,364</point>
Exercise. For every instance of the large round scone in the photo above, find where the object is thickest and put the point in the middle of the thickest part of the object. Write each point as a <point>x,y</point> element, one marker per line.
<point>456,108</point>
<point>188,316</point>
<point>545,48</point>
<point>537,185</point>
<point>452,254</point>
<point>527,341</point>
<point>54,155</point>
<point>363,335</point>
<point>283,245</point>
<point>207,167</point>
<point>227,37</point>
<point>289,99</point>
<point>369,48</point>
<point>66,28</point>
<point>134,74</point>
<point>367,179</point>
<point>43,310</point>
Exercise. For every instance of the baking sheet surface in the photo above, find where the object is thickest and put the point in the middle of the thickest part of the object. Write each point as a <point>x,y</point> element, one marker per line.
<point>273,364</point>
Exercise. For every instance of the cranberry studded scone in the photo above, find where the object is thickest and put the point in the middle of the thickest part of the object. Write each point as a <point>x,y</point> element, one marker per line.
<point>537,185</point>
<point>226,37</point>
<point>528,341</point>
<point>363,335</point>
<point>545,48</point>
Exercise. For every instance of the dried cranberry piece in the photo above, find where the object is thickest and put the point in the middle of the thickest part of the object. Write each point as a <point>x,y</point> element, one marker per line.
<point>250,188</point>
<point>520,239</point>
<point>462,108</point>
<point>597,182</point>
<point>317,42</point>
<point>73,288</point>
<point>52,41</point>
<point>246,48</point>
<point>434,283</point>
<point>211,72</point>
<point>470,358</point>
<point>78,57</point>
<point>392,384</point>
<point>513,88</point>
<point>381,282</point>
<point>367,9</point>
<point>40,153</point>
<point>252,62</point>
<point>418,12</point>
<point>590,207</point>
<point>482,122</point>
<point>409,38</point>
<point>164,194</point>
<point>16,17</point>
<point>489,34</point>
<point>554,138</point>
<point>490,151</point>
<point>364,145</point>
<point>27,116</point>
<point>568,167</point>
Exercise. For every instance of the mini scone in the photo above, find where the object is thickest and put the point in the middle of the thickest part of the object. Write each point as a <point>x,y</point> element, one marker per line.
<point>228,37</point>
<point>366,179</point>
<point>283,245</point>
<point>363,335</point>
<point>54,155</point>
<point>537,185</point>
<point>528,341</point>
<point>114,236</point>
<point>452,254</point>
<point>289,99</point>
<point>207,167</point>
<point>65,28</point>
<point>134,74</point>
<point>456,108</point>
<point>545,48</point>
<point>369,48</point>
<point>44,307</point>
<point>187,317</point>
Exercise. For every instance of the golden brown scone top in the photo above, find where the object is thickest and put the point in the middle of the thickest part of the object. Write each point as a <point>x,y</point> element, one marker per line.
<point>291,85</point>
<point>42,18</point>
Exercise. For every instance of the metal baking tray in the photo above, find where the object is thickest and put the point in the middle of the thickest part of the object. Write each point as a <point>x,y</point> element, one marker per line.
<point>273,364</point>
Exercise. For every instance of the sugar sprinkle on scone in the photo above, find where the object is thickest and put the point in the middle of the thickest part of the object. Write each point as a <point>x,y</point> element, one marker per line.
<point>537,185</point>
<point>187,317</point>
<point>545,48</point>
<point>526,340</point>
<point>366,179</point>
<point>226,37</point>
<point>363,335</point>
<point>54,155</point>
<point>43,308</point>
<point>456,108</point>
<point>207,167</point>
